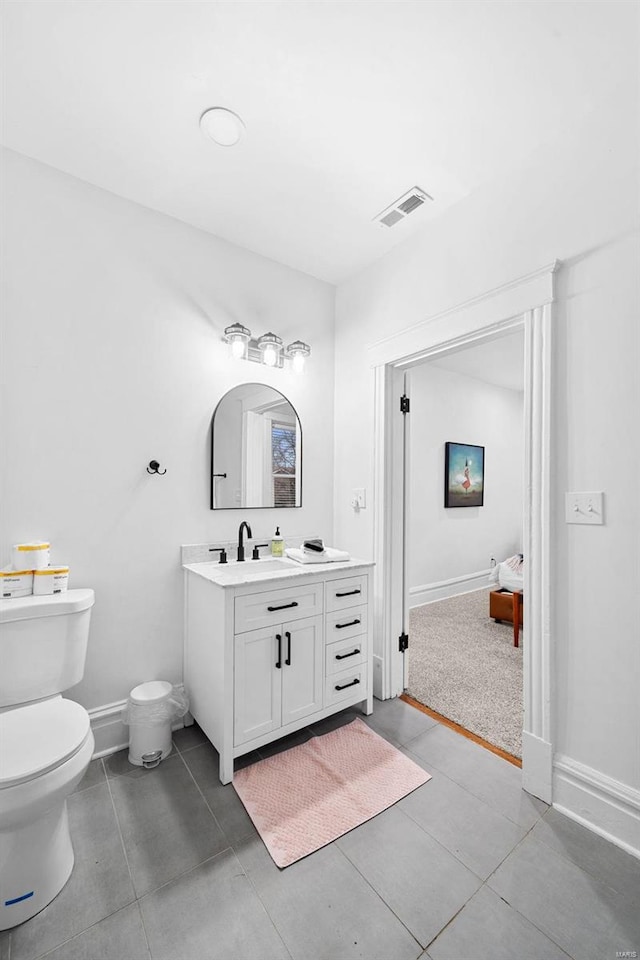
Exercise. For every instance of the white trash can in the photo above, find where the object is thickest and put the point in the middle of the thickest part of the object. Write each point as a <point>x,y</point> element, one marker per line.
<point>151,708</point>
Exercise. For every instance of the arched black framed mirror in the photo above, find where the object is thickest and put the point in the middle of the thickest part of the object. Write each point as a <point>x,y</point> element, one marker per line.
<point>256,450</point>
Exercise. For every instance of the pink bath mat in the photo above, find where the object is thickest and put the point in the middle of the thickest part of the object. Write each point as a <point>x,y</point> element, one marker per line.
<point>305,797</point>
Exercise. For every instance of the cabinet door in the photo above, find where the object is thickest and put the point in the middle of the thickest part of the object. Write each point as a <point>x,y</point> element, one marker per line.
<point>303,647</point>
<point>257,684</point>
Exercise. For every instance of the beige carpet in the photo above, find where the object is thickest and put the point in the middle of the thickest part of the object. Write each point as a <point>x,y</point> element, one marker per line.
<point>464,665</point>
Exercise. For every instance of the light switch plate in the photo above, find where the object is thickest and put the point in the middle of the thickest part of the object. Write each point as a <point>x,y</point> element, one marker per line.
<point>359,498</point>
<point>584,507</point>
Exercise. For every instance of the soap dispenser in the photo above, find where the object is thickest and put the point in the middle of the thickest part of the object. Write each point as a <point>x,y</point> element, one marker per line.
<point>277,544</point>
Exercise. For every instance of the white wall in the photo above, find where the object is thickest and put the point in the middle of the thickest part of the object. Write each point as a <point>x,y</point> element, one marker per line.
<point>113,317</point>
<point>455,542</point>
<point>577,201</point>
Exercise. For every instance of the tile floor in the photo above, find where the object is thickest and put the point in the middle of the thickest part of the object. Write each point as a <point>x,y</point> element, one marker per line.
<point>170,867</point>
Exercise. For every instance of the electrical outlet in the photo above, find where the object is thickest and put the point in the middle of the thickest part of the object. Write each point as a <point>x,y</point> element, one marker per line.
<point>584,507</point>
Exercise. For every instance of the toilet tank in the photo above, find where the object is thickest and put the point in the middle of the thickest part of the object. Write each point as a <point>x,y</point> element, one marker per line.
<point>43,644</point>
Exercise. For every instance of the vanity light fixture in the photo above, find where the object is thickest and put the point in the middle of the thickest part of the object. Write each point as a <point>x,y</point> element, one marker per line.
<point>266,349</point>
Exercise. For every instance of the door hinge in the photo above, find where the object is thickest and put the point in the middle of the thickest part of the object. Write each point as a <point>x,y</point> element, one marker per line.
<point>404,404</point>
<point>403,642</point>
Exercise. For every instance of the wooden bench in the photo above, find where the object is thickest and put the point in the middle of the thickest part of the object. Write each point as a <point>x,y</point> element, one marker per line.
<point>504,605</point>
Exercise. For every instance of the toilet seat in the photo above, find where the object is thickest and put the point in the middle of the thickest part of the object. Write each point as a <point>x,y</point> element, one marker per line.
<point>38,737</point>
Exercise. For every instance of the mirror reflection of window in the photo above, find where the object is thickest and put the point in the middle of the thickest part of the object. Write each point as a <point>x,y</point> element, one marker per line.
<point>256,450</point>
<point>283,463</point>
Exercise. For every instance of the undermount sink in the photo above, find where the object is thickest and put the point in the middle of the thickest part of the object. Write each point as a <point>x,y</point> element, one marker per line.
<point>235,571</point>
<point>258,567</point>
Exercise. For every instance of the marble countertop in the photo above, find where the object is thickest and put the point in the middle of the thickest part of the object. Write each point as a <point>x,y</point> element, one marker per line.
<point>267,570</point>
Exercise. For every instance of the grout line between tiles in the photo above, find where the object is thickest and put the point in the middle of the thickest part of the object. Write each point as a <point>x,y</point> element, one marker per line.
<point>446,849</point>
<point>95,786</point>
<point>454,917</point>
<point>463,786</point>
<point>43,956</point>
<point>126,858</point>
<point>377,894</point>
<point>181,876</point>
<point>262,903</point>
<point>193,746</point>
<point>565,856</point>
<point>511,905</point>
<point>197,866</point>
<point>197,785</point>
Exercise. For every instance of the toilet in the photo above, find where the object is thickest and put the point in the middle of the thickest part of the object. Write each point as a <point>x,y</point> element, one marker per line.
<point>46,745</point>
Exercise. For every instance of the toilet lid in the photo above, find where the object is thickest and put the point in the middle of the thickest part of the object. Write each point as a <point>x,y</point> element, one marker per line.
<point>38,737</point>
<point>52,605</point>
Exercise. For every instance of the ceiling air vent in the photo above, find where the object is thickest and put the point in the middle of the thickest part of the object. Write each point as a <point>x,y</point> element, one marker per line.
<point>405,205</point>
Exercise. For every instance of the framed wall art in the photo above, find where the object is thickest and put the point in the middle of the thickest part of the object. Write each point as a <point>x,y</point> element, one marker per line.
<point>463,475</point>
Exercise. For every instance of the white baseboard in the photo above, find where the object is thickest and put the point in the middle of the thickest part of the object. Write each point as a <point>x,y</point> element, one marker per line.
<point>537,766</point>
<point>377,676</point>
<point>110,733</point>
<point>606,806</point>
<point>428,592</point>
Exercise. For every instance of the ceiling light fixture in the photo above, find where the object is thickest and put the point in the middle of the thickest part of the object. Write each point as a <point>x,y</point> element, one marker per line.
<point>223,126</point>
<point>266,349</point>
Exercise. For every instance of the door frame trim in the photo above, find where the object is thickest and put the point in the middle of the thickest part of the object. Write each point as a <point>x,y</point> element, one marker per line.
<point>527,302</point>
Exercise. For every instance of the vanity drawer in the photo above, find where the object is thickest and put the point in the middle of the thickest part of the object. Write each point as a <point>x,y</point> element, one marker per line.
<point>341,624</point>
<point>346,593</point>
<point>344,655</point>
<point>346,685</point>
<point>277,606</point>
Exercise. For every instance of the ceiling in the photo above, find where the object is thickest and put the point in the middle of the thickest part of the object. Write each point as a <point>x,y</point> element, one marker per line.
<point>499,362</point>
<point>347,106</point>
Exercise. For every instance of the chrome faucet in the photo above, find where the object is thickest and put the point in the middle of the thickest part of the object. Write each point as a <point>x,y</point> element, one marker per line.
<point>243,526</point>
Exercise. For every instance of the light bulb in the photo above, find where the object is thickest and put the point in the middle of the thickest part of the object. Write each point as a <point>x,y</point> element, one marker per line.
<point>298,352</point>
<point>269,356</point>
<point>237,348</point>
<point>238,338</point>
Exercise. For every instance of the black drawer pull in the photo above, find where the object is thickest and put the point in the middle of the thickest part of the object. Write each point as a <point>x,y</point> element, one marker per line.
<point>345,685</point>
<point>343,656</point>
<point>349,593</point>
<point>288,636</point>
<point>341,626</point>
<point>285,606</point>
<point>279,660</point>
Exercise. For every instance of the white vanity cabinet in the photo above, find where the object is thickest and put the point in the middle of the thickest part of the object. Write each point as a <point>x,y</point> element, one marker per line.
<point>277,677</point>
<point>268,656</point>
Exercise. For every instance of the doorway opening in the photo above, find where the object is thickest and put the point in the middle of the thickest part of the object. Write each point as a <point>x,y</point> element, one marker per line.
<point>465,530</point>
<point>526,303</point>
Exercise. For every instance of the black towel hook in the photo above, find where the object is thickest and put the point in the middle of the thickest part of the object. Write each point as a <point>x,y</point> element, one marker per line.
<point>154,467</point>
